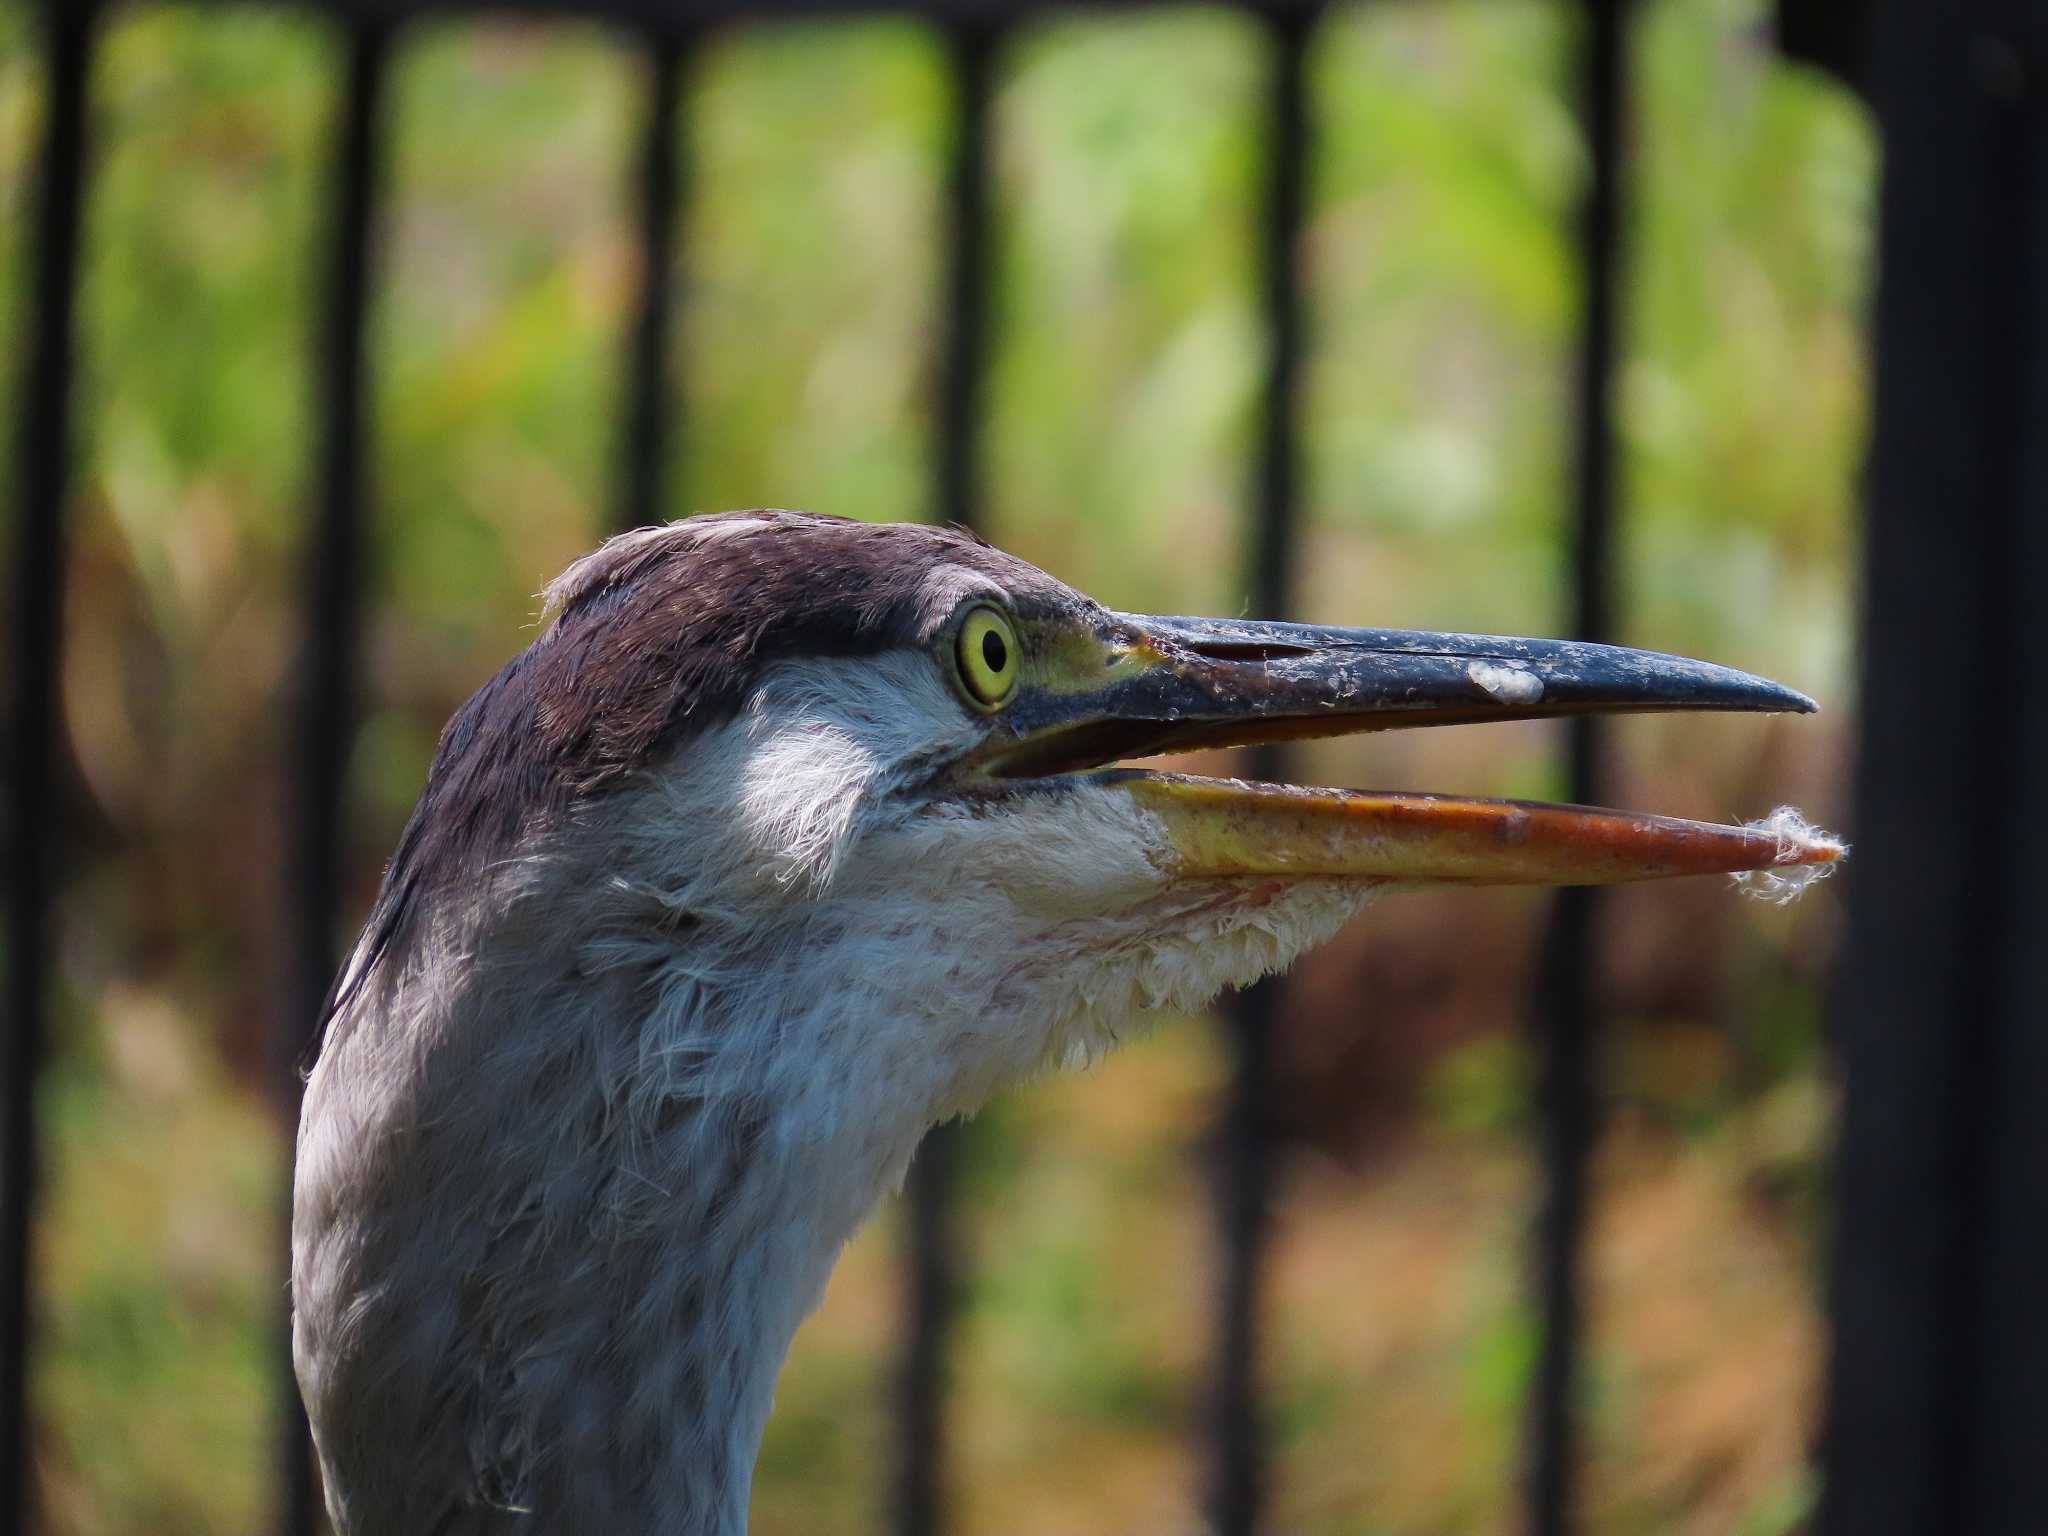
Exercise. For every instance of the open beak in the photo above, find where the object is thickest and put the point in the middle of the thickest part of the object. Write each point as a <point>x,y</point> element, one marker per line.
<point>1158,685</point>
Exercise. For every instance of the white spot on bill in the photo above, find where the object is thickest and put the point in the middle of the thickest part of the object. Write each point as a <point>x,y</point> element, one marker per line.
<point>1511,685</point>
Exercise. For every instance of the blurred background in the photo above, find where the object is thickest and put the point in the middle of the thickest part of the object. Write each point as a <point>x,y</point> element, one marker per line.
<point>1126,359</point>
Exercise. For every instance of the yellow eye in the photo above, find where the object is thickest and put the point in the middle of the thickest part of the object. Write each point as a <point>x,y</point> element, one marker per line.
<point>986,652</point>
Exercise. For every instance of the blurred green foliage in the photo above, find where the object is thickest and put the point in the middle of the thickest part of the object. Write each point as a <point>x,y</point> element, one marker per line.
<point>1127,354</point>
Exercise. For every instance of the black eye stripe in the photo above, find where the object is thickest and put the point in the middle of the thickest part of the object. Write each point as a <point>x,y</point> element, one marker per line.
<point>993,651</point>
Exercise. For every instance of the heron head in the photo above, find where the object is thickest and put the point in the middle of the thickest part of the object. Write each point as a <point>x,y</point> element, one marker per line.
<point>895,750</point>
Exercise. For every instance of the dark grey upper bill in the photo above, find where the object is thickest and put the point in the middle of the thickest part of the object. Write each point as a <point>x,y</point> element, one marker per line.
<point>1237,682</point>
<point>1367,669</point>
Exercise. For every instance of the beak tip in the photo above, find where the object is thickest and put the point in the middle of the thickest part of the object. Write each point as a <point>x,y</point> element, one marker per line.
<point>1747,690</point>
<point>1769,697</point>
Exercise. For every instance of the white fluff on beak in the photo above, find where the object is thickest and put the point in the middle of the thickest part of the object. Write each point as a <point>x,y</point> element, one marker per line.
<point>1797,838</point>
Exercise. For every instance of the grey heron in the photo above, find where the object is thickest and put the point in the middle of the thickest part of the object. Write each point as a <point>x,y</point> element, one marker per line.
<point>786,839</point>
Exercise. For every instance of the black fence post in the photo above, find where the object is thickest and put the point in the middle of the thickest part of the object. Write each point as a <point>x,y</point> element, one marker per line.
<point>1938,1389</point>
<point>1246,1144</point>
<point>934,1280</point>
<point>326,680</point>
<point>648,396</point>
<point>1567,1004</point>
<point>44,451</point>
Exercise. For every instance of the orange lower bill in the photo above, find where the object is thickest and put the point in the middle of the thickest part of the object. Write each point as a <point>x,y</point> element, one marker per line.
<point>1220,828</point>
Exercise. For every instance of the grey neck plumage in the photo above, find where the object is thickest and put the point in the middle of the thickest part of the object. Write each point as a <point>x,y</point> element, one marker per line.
<point>547,1272</point>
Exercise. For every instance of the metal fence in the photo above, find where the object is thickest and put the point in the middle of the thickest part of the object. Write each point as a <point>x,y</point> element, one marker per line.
<point>1938,1416</point>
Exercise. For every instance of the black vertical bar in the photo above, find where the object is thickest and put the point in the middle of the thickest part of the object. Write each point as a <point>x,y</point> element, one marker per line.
<point>1247,1143</point>
<point>1937,1393</point>
<point>2003,1472</point>
<point>45,450</point>
<point>968,274</point>
<point>934,1262</point>
<point>326,682</point>
<point>934,1285</point>
<point>647,387</point>
<point>1566,1005</point>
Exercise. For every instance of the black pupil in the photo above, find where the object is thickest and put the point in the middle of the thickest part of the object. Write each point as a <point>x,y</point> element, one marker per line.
<point>993,651</point>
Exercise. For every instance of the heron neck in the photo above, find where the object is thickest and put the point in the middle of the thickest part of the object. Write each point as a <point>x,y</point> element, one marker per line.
<point>719,1230</point>
<point>556,1230</point>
